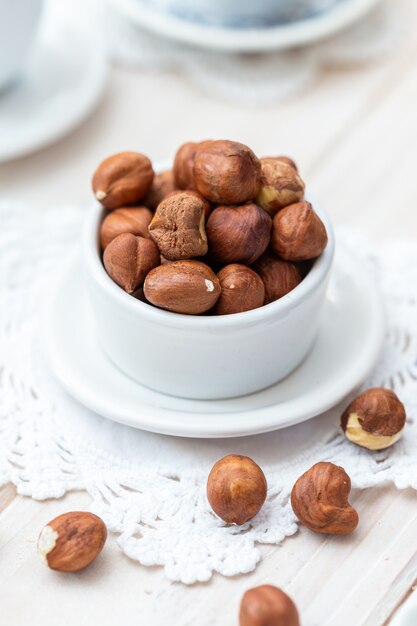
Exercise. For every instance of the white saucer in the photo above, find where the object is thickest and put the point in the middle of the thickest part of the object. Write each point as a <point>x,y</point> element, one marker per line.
<point>288,35</point>
<point>348,345</point>
<point>62,83</point>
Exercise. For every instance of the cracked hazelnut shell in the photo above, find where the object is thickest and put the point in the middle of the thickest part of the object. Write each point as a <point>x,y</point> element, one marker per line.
<point>267,605</point>
<point>128,259</point>
<point>206,204</point>
<point>188,287</point>
<point>238,234</point>
<point>236,489</point>
<point>71,541</point>
<point>279,277</point>
<point>226,172</point>
<point>280,186</point>
<point>163,184</point>
<point>134,220</point>
<point>178,227</point>
<point>319,499</point>
<point>375,419</point>
<point>298,234</point>
<point>122,179</point>
<point>241,290</point>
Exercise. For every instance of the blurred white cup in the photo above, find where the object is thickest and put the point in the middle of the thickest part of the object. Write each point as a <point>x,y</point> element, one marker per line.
<point>239,12</point>
<point>18,24</point>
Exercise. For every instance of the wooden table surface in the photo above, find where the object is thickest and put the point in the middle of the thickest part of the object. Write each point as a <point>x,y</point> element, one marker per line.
<point>354,135</point>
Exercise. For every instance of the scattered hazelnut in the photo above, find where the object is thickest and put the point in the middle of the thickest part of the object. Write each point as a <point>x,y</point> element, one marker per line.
<point>178,227</point>
<point>128,259</point>
<point>163,184</point>
<point>267,605</point>
<point>72,541</point>
<point>279,277</point>
<point>189,287</point>
<point>236,489</point>
<point>226,172</point>
<point>320,500</point>
<point>134,220</point>
<point>238,234</point>
<point>183,167</point>
<point>242,290</point>
<point>281,185</point>
<point>122,179</point>
<point>298,234</point>
<point>375,419</point>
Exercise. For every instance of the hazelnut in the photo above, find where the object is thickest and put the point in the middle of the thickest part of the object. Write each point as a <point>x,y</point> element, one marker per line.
<point>189,287</point>
<point>238,234</point>
<point>267,605</point>
<point>298,234</point>
<point>124,178</point>
<point>128,259</point>
<point>320,500</point>
<point>134,220</point>
<point>242,290</point>
<point>375,419</point>
<point>206,204</point>
<point>236,489</point>
<point>178,227</point>
<point>226,172</point>
<point>183,168</point>
<point>287,160</point>
<point>280,185</point>
<point>279,277</point>
<point>163,184</point>
<point>72,541</point>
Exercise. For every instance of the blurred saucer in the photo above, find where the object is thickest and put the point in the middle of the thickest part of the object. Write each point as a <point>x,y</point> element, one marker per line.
<point>62,83</point>
<point>297,32</point>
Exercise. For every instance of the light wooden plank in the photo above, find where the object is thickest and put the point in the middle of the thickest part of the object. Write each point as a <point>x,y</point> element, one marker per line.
<point>316,571</point>
<point>7,495</point>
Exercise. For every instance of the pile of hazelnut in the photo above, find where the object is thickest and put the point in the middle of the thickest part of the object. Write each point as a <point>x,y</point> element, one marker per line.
<point>222,232</point>
<point>237,490</point>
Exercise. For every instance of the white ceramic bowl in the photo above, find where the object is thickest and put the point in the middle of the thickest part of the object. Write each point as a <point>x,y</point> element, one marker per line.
<point>204,357</point>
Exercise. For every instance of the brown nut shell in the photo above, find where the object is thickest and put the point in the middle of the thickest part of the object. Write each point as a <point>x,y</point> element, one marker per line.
<point>267,605</point>
<point>279,277</point>
<point>189,287</point>
<point>178,227</point>
<point>281,185</point>
<point>163,184</point>
<point>242,290</point>
<point>122,179</point>
<point>238,234</point>
<point>183,168</point>
<point>236,488</point>
<point>375,419</point>
<point>128,259</point>
<point>134,220</point>
<point>320,500</point>
<point>72,541</point>
<point>206,204</point>
<point>226,172</point>
<point>298,234</point>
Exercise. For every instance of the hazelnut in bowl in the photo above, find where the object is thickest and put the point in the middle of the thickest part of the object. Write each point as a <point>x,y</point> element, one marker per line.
<point>206,295</point>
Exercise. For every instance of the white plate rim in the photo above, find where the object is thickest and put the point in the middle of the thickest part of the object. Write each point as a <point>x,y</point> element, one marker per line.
<point>177,423</point>
<point>98,72</point>
<point>299,33</point>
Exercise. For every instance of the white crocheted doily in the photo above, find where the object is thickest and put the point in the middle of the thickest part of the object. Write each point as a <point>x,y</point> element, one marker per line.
<point>253,79</point>
<point>150,489</point>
